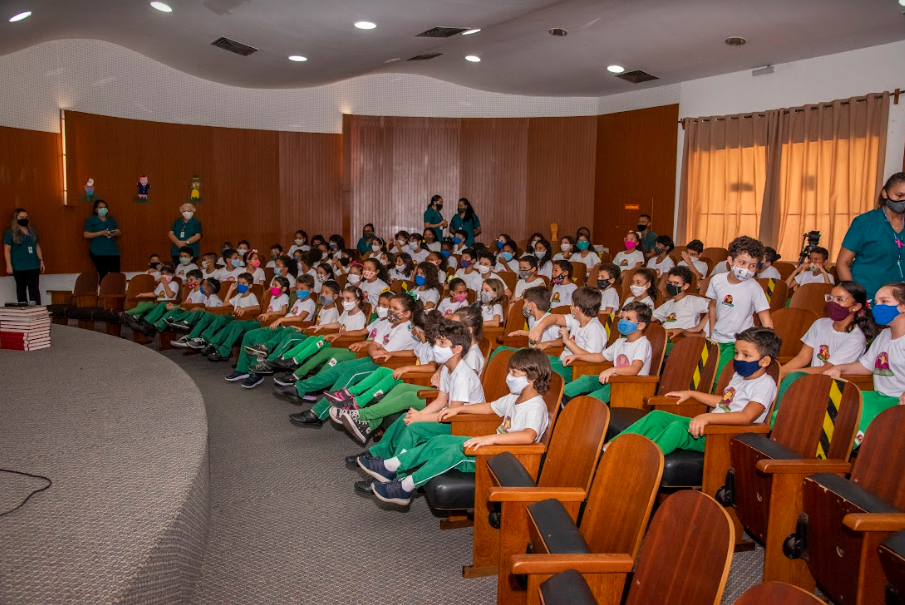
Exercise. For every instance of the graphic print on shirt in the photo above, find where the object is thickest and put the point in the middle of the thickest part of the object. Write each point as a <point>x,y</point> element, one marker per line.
<point>728,397</point>
<point>623,263</point>
<point>373,334</point>
<point>622,361</point>
<point>881,365</point>
<point>670,317</point>
<point>504,428</point>
<point>727,300</point>
<point>823,353</point>
<point>555,297</point>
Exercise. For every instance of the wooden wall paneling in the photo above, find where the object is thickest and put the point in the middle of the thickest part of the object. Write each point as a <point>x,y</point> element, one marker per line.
<point>310,184</point>
<point>561,166</point>
<point>636,164</point>
<point>371,175</point>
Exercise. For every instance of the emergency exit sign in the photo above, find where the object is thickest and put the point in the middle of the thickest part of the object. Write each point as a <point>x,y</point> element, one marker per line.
<point>633,206</point>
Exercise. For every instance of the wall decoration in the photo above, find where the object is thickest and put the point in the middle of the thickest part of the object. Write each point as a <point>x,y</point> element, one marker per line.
<point>195,194</point>
<point>143,187</point>
<point>89,191</point>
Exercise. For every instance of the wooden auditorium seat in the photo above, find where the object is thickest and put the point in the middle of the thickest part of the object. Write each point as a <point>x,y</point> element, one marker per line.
<point>777,593</point>
<point>791,325</point>
<point>785,269</point>
<point>892,557</point>
<point>629,386</point>
<point>717,255</point>
<point>62,300</point>
<point>579,273</point>
<point>777,292</point>
<point>109,297</point>
<point>566,588</point>
<point>811,297</point>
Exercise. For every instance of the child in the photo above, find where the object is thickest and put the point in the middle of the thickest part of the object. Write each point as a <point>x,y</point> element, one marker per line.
<point>745,400</point>
<point>243,304</point>
<point>276,251</point>
<point>644,288</point>
<point>374,284</point>
<point>166,290</point>
<point>492,293</point>
<point>439,260</point>
<point>486,261</point>
<point>566,244</point>
<point>430,240</point>
<point>661,262</point>
<point>446,250</point>
<point>187,319</point>
<point>735,297</point>
<point>400,243</point>
<point>581,332</point>
<point>353,278</point>
<point>584,252</point>
<point>458,298</point>
<point>376,249</point>
<point>536,307</point>
<point>544,258</point>
<point>223,260</point>
<point>691,258</point>
<point>233,267</point>
<point>404,267</point>
<point>185,262</point>
<point>631,356</point>
<point>322,273</point>
<point>154,265</point>
<point>506,260</point>
<point>767,270</point>
<point>423,452</point>
<point>253,266</point>
<point>428,287</point>
<point>459,239</point>
<point>528,276</point>
<point>166,310</point>
<point>563,288</point>
<point>209,265</point>
<point>607,283</point>
<point>811,272</point>
<point>299,243</point>
<point>283,267</point>
<point>468,271</point>
<point>242,248</point>
<point>683,311</point>
<point>632,256</point>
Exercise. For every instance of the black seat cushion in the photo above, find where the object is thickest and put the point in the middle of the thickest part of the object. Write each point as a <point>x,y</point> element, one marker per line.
<point>509,471</point>
<point>858,496</point>
<point>82,313</point>
<point>556,527</point>
<point>389,420</point>
<point>567,588</point>
<point>895,543</point>
<point>453,490</point>
<point>621,419</point>
<point>767,446</point>
<point>107,315</point>
<point>683,468</point>
<point>58,310</point>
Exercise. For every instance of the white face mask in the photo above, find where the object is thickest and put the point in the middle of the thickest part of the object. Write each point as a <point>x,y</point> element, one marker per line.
<point>486,297</point>
<point>188,215</point>
<point>242,252</point>
<point>483,269</point>
<point>369,274</point>
<point>414,245</point>
<point>375,247</point>
<point>565,246</point>
<point>353,279</point>
<point>540,253</point>
<point>299,242</point>
<point>382,312</point>
<point>348,305</point>
<point>637,290</point>
<point>742,274</point>
<point>516,384</point>
<point>442,354</point>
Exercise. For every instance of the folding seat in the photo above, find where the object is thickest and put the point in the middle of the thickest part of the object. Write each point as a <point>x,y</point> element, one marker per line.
<point>791,325</point>
<point>717,255</point>
<point>110,296</point>
<point>139,284</point>
<point>566,588</point>
<point>777,292</point>
<point>777,593</point>
<point>61,301</point>
<point>892,557</point>
<point>811,297</point>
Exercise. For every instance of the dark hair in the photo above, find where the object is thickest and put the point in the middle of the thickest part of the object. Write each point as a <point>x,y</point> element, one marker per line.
<point>187,250</point>
<point>305,280</point>
<point>152,256</point>
<point>402,235</point>
<point>566,266</point>
<point>539,295</point>
<point>387,294</point>
<point>766,340</point>
<point>431,276</point>
<point>356,292</point>
<point>338,240</point>
<point>470,315</point>
<point>332,285</point>
<point>746,245</point>
<point>457,333</point>
<point>442,263</point>
<point>312,257</point>
<point>683,272</point>
<point>317,239</point>
<point>470,252</point>
<point>896,179</point>
<point>462,232</point>
<point>410,304</point>
<point>546,258</point>
<point>434,198</point>
<point>167,268</point>
<point>277,247</point>
<point>428,232</point>
<point>643,312</point>
<point>864,318</point>
<point>282,281</point>
<point>303,233</point>
<point>214,283</point>
<point>243,241</point>
<point>666,241</point>
<point>196,273</point>
<point>498,287</point>
<point>228,253</point>
<point>406,258</point>
<point>587,233</point>
<point>770,255</point>
<point>290,263</point>
<point>531,260</point>
<point>488,255</point>
<point>588,300</point>
<point>246,276</point>
<point>647,216</point>
<point>454,283</point>
<point>610,269</point>
<point>96,204</point>
<point>568,238</point>
<point>651,277</point>
<point>696,245</point>
<point>212,256</point>
<point>469,211</point>
<point>537,234</point>
<point>379,268</point>
<point>536,365</point>
<point>821,251</point>
<point>327,269</point>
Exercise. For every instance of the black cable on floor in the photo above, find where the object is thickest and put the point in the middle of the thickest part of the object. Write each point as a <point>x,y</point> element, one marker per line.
<point>24,474</point>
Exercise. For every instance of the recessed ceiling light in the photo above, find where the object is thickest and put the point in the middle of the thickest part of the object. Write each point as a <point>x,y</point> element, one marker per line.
<point>164,8</point>
<point>473,58</point>
<point>392,60</point>
<point>736,41</point>
<point>557,31</point>
<point>615,69</point>
<point>901,2</point>
<point>474,31</point>
<point>298,58</point>
<point>365,25</point>
<point>20,16</point>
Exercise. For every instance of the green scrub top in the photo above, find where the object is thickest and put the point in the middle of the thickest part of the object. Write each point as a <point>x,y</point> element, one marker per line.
<point>468,226</point>
<point>648,240</point>
<point>24,255</point>
<point>432,217</point>
<point>102,246</point>
<point>879,251</point>
<point>184,230</point>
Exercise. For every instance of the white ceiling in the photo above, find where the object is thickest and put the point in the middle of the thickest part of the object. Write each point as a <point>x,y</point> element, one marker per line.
<point>676,40</point>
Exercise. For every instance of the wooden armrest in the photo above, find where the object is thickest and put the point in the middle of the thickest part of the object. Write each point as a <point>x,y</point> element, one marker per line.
<point>865,382</point>
<point>514,342</point>
<point>661,401</point>
<point>428,394</point>
<point>803,467</point>
<point>586,368</point>
<point>191,306</point>
<point>113,296</point>
<point>731,429</point>
<point>885,522</point>
<point>590,563</point>
<point>688,408</point>
<point>466,418</point>
<point>473,425</point>
<point>634,379</point>
<point>492,450</point>
<point>632,391</point>
<point>85,300</point>
<point>536,494</point>
<point>59,292</point>
<point>225,310</point>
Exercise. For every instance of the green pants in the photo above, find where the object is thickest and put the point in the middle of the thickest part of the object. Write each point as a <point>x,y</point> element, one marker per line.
<point>253,338</point>
<point>400,399</point>
<point>209,321</point>
<point>228,335</point>
<point>401,437</point>
<point>727,354</point>
<point>340,375</point>
<point>289,338</point>
<point>305,348</point>
<point>435,456</point>
<point>379,382</point>
<point>590,385</point>
<point>142,308</point>
<point>175,314</point>
<point>555,364</point>
<point>668,431</point>
<point>872,404</point>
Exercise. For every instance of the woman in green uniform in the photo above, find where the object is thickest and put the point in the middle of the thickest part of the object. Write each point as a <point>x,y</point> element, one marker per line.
<point>24,258</point>
<point>101,230</point>
<point>433,220</point>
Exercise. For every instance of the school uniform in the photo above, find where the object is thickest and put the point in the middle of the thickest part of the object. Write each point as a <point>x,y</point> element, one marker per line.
<point>225,338</point>
<point>401,275</point>
<point>662,266</point>
<point>808,277</point>
<point>591,338</point>
<point>647,300</point>
<point>448,306</point>
<point>589,260</point>
<point>278,339</point>
<point>736,305</point>
<point>490,312</point>
<point>701,266</point>
<point>720,268</point>
<point>473,280</point>
<point>502,263</point>
<point>523,285</point>
<point>160,314</point>
<point>627,260</point>
<point>609,299</point>
<point>418,255</point>
<point>545,269</point>
<point>562,294</point>
<point>623,354</point>
<point>427,295</point>
<point>770,272</point>
<point>229,274</point>
<point>181,270</point>
<point>257,275</point>
<point>294,247</point>
<point>209,324</point>
<point>682,314</point>
<point>373,290</point>
<point>885,359</point>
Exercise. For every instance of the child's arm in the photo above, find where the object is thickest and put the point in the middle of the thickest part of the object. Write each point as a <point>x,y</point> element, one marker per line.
<point>330,326</point>
<point>584,356</point>
<point>519,333</point>
<point>705,398</point>
<point>711,316</point>
<point>570,344</point>
<point>550,320</point>
<point>430,413</point>
<point>608,311</point>
<point>522,437</point>
<point>766,320</point>
<point>800,361</point>
<point>426,368</point>
<point>790,281</point>
<point>631,370</point>
<point>354,333</point>
<point>746,416</point>
<point>854,367</point>
<point>475,408</point>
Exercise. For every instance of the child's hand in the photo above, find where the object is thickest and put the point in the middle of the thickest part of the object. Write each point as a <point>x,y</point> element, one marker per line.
<point>435,379</point>
<point>447,413</point>
<point>519,333</point>
<point>398,372</point>
<point>696,427</point>
<point>834,372</point>
<point>568,359</point>
<point>380,355</point>
<point>605,375</point>
<point>332,337</point>
<point>412,416</point>
<point>357,346</point>
<point>535,334</point>
<point>681,395</point>
<point>477,442</point>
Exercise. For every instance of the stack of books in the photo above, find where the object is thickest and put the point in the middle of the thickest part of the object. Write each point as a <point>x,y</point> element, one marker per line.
<point>24,328</point>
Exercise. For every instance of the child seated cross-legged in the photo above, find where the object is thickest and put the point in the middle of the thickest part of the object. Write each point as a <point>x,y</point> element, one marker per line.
<point>683,311</point>
<point>244,304</point>
<point>425,450</point>
<point>631,356</point>
<point>745,400</point>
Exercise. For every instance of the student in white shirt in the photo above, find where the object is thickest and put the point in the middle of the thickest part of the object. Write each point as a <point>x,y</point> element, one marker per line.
<point>683,311</point>
<point>184,320</point>
<point>446,251</point>
<point>253,266</point>
<point>535,308</point>
<point>431,243</point>
<point>492,293</point>
<point>578,252</point>
<point>373,282</point>
<point>691,258</point>
<point>276,251</point>
<point>644,288</point>
<point>458,298</point>
<point>216,340</point>
<point>416,248</point>
<point>566,246</point>
<point>661,262</point>
<point>428,287</point>
<point>767,270</point>
<point>223,259</point>
<point>486,261</point>
<point>811,272</point>
<point>185,262</point>
<point>608,284</point>
<point>528,276</point>
<point>166,290</point>
<point>322,273</point>
<point>507,259</point>
<point>160,315</point>
<point>468,270</point>
<point>300,242</point>
<point>233,268</point>
<point>563,287</point>
<point>632,256</point>
<point>403,268</point>
<point>544,258</point>
<point>283,268</point>
<point>209,265</point>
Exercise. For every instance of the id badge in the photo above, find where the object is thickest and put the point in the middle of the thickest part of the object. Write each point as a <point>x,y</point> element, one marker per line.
<point>182,235</point>
<point>31,250</point>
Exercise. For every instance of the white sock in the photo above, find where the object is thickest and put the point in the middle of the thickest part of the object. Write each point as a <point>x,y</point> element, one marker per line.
<point>408,484</point>
<point>392,464</point>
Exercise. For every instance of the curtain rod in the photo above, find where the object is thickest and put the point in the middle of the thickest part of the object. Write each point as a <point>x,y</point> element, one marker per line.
<point>895,95</point>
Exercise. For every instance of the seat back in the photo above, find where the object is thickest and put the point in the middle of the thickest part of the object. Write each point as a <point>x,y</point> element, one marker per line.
<point>656,334</point>
<point>137,285</point>
<point>575,446</point>
<point>691,365</point>
<point>791,324</point>
<point>486,347</point>
<point>86,283</point>
<point>717,255</point>
<point>495,372</point>
<point>661,287</point>
<point>622,495</point>
<point>509,279</point>
<point>880,464</point>
<point>702,287</point>
<point>785,268</point>
<point>686,554</point>
<point>777,292</point>
<point>626,286</point>
<point>516,320</point>
<point>579,273</point>
<point>777,593</point>
<point>553,397</point>
<point>811,297</point>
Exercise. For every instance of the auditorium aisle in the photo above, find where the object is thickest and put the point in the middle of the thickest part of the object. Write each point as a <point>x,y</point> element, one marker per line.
<point>286,526</point>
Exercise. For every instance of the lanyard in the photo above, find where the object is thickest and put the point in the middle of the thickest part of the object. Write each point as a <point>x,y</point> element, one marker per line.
<point>900,244</point>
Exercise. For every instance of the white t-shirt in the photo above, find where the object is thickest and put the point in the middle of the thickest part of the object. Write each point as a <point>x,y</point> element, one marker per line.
<point>626,260</point>
<point>400,274</point>
<point>623,353</point>
<point>289,278</point>
<point>591,338</point>
<point>683,314</point>
<point>182,270</point>
<point>449,306</point>
<point>373,290</point>
<point>530,414</point>
<point>475,359</point>
<point>545,269</point>
<point>473,280</point>
<point>241,301</point>
<point>196,297</point>
<point>328,315</point>
<point>232,274</point>
<point>523,285</point>
<point>647,300</point>
<point>293,248</point>
<point>512,264</point>
<point>434,246</point>
<point>270,264</point>
<point>551,333</point>
<point>350,323</point>
<point>700,265</point>
<point>720,268</point>
<point>590,260</point>
<point>161,293</point>
<point>277,302</point>
<point>736,305</point>
<point>428,295</point>
<point>213,301</point>
<point>662,267</point>
<point>562,294</point>
<point>257,274</point>
<point>609,299</point>
<point>831,346</point>
<point>462,384</point>
<point>489,311</point>
<point>300,306</point>
<point>419,256</point>
<point>886,359</point>
<point>739,392</point>
<point>770,272</point>
<point>397,338</point>
<point>808,277</point>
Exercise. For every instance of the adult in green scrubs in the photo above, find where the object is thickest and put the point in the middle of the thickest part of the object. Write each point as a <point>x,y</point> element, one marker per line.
<point>186,231</point>
<point>648,236</point>
<point>101,230</point>
<point>24,258</point>
<point>433,220</point>
<point>467,221</point>
<point>873,250</point>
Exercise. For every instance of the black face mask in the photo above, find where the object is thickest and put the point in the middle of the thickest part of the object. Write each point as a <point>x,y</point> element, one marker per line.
<point>642,227</point>
<point>368,234</point>
<point>673,290</point>
<point>438,207</point>
<point>344,261</point>
<point>23,222</point>
<point>603,284</point>
<point>461,210</point>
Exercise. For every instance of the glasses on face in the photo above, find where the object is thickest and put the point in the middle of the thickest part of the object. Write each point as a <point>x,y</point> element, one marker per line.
<point>836,299</point>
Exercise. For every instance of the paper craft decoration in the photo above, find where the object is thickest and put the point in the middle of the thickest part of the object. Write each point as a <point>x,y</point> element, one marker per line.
<point>89,191</point>
<point>143,187</point>
<point>195,193</point>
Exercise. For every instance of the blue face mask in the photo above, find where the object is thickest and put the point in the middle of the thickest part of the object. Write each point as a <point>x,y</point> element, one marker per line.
<point>445,253</point>
<point>499,245</point>
<point>236,262</point>
<point>420,280</point>
<point>507,256</point>
<point>626,327</point>
<point>302,294</point>
<point>242,288</point>
<point>884,314</point>
<point>465,262</point>
<point>583,245</point>
<point>745,368</point>
<point>457,240</point>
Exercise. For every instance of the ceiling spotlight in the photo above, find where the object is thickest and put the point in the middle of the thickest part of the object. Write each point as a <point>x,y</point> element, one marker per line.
<point>557,31</point>
<point>164,8</point>
<point>615,69</point>
<point>474,31</point>
<point>365,25</point>
<point>298,58</point>
<point>473,58</point>
<point>20,16</point>
<point>736,41</point>
<point>901,2</point>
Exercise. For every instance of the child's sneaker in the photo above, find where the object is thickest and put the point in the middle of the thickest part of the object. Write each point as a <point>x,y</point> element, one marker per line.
<point>237,376</point>
<point>286,380</point>
<point>262,367</point>
<point>290,364</point>
<point>334,414</point>
<point>208,350</point>
<point>257,350</point>
<point>340,399</point>
<point>252,381</point>
<point>174,323</point>
<point>374,467</point>
<point>392,493</point>
<point>358,428</point>
<point>197,343</point>
<point>181,343</point>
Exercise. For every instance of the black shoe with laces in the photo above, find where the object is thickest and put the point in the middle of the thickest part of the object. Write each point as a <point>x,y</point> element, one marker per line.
<point>287,393</point>
<point>307,419</point>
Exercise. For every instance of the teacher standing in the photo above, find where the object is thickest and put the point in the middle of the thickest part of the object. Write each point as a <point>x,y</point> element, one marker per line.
<point>466,220</point>
<point>24,258</point>
<point>102,230</point>
<point>186,231</point>
<point>873,250</point>
<point>433,220</point>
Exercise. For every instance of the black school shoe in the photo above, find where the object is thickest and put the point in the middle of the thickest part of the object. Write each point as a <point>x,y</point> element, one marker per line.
<point>363,488</point>
<point>290,365</point>
<point>287,393</point>
<point>307,419</point>
<point>285,380</point>
<point>215,356</point>
<point>352,461</point>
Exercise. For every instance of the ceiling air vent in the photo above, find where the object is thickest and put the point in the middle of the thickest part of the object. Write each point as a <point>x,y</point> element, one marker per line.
<point>424,57</point>
<point>442,32</point>
<point>637,76</point>
<point>233,46</point>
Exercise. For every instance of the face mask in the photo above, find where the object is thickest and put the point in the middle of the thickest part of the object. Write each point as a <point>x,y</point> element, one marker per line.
<point>837,312</point>
<point>557,279</point>
<point>242,288</point>
<point>348,305</point>
<point>897,207</point>
<point>414,245</point>
<point>630,244</point>
<point>276,290</point>
<point>255,263</point>
<point>382,312</point>
<point>641,227</point>
<point>153,264</point>
<point>524,274</point>
<point>299,241</point>
<point>745,368</point>
<point>461,210</point>
<point>376,247</point>
<point>369,275</point>
<point>507,256</point>
<point>486,297</point>
<point>188,215</point>
<point>242,252</point>
<point>302,294</point>
<point>184,261</point>
<point>884,314</point>
<point>274,255</point>
<point>603,284</point>
<point>460,297</point>
<point>167,278</point>
<point>325,300</point>
<point>673,290</point>
<point>526,312</point>
<point>353,279</point>
<point>638,290</point>
<point>659,251</point>
<point>445,253</point>
<point>393,317</point>
<point>516,384</point>
<point>192,285</point>
<point>742,274</point>
<point>499,245</point>
<point>442,354</point>
<point>483,269</point>
<point>465,262</point>
<point>457,240</point>
<point>626,327</point>
<point>23,222</point>
<point>583,245</point>
<point>236,262</point>
<point>320,278</point>
<point>540,253</point>
<point>420,280</point>
<point>565,246</point>
<point>332,245</point>
<point>102,211</point>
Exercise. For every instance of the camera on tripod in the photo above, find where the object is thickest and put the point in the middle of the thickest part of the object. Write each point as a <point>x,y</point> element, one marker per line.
<point>809,241</point>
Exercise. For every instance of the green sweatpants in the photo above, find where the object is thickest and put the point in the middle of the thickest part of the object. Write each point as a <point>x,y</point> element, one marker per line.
<point>305,349</point>
<point>253,338</point>
<point>400,399</point>
<point>438,455</point>
<point>727,354</point>
<point>224,338</point>
<point>289,338</point>
<point>872,404</point>
<point>401,437</point>
<point>142,308</point>
<point>340,375</point>
<point>555,364</point>
<point>590,385</point>
<point>378,382</point>
<point>668,431</point>
<point>209,321</point>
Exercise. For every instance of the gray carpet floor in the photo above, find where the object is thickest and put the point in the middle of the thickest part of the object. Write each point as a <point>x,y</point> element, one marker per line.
<point>286,526</point>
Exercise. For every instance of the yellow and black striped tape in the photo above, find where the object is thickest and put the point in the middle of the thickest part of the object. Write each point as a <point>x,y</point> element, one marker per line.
<point>829,419</point>
<point>771,287</point>
<point>702,363</point>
